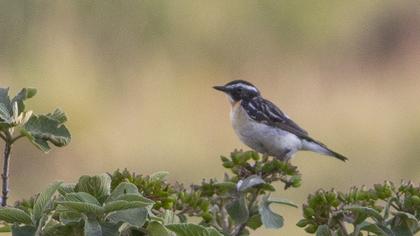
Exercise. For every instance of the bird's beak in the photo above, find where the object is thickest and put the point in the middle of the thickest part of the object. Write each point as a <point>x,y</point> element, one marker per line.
<point>221,88</point>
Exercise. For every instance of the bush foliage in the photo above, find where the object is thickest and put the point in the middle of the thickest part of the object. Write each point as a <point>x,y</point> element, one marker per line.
<point>130,204</point>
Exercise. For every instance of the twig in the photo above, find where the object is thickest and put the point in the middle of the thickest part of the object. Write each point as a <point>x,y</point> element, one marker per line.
<point>5,175</point>
<point>3,137</point>
<point>16,138</point>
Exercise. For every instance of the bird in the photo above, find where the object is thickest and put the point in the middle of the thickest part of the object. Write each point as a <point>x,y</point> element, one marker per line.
<point>262,126</point>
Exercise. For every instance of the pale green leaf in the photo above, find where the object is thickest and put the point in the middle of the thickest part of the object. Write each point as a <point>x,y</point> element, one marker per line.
<point>249,182</point>
<point>238,210</point>
<point>370,227</point>
<point>136,216</point>
<point>42,130</point>
<point>192,229</point>
<point>159,176</point>
<point>155,228</point>
<point>92,227</point>
<point>43,200</point>
<point>122,189</point>
<point>58,115</point>
<point>82,207</point>
<point>24,94</point>
<point>98,186</point>
<point>374,214</point>
<point>81,197</point>
<point>268,217</point>
<point>119,205</point>
<point>25,230</point>
<point>14,215</point>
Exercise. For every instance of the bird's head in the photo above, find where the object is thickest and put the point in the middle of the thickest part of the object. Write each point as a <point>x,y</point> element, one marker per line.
<point>239,90</point>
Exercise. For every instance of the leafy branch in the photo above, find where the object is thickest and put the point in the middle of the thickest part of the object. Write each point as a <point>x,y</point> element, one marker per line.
<point>39,129</point>
<point>384,210</point>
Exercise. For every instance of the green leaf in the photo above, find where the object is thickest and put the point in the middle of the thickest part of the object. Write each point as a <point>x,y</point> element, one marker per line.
<point>5,106</point>
<point>159,176</point>
<point>192,229</point>
<point>282,201</point>
<point>25,230</point>
<point>169,217</point>
<point>226,186</point>
<point>43,200</point>
<point>66,188</point>
<point>249,182</point>
<point>136,216</point>
<point>254,222</point>
<point>369,227</point>
<point>404,224</point>
<point>41,130</point>
<point>135,197</point>
<point>24,94</point>
<point>111,229</point>
<point>119,205</point>
<point>323,231</point>
<point>58,115</point>
<point>82,207</point>
<point>5,229</point>
<point>92,227</point>
<point>98,186</point>
<point>155,228</point>
<point>122,189</point>
<point>70,217</point>
<point>268,217</point>
<point>81,197</point>
<point>366,210</point>
<point>238,210</point>
<point>14,215</point>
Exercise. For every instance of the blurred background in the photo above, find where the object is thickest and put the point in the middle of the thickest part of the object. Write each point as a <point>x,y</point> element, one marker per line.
<point>135,79</point>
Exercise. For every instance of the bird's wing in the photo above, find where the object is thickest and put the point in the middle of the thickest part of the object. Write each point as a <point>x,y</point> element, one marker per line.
<point>264,111</point>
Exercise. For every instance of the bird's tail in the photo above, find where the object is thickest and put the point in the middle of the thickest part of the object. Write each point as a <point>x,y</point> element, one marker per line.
<point>315,146</point>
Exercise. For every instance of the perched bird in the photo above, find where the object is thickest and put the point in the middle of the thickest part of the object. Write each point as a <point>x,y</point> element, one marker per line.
<point>262,126</point>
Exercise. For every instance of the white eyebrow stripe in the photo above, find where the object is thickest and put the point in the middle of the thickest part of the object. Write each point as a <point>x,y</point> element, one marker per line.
<point>245,86</point>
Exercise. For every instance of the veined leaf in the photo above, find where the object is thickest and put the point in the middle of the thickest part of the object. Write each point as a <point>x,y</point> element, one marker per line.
<point>192,229</point>
<point>41,129</point>
<point>14,215</point>
<point>98,186</point>
<point>119,205</point>
<point>135,216</point>
<point>135,197</point>
<point>43,200</point>
<point>81,197</point>
<point>92,227</point>
<point>155,228</point>
<point>122,189</point>
<point>82,207</point>
<point>66,188</point>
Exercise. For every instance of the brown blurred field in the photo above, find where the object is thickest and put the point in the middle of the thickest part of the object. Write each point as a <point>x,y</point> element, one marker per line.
<point>135,79</point>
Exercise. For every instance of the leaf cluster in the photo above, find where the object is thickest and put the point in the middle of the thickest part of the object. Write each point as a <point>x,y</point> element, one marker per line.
<point>41,130</point>
<point>385,210</point>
